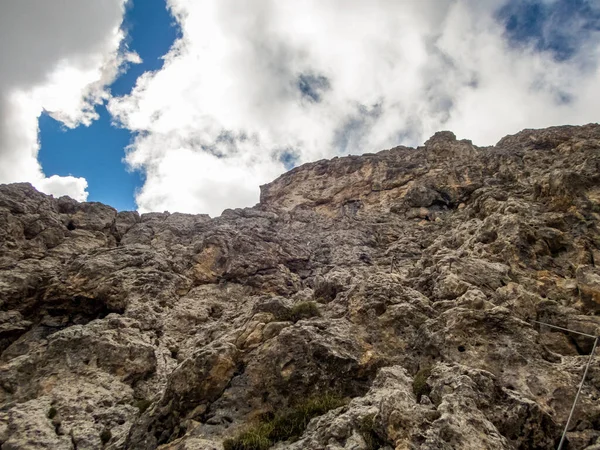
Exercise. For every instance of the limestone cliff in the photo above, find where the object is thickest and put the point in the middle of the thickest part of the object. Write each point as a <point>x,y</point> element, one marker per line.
<point>375,301</point>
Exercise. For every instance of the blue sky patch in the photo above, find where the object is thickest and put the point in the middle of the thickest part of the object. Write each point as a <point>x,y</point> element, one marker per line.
<point>151,30</point>
<point>93,152</point>
<point>558,27</point>
<point>312,87</point>
<point>96,152</point>
<point>289,159</point>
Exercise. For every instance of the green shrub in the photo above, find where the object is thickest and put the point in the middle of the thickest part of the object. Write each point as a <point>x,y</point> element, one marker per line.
<point>142,405</point>
<point>369,433</point>
<point>105,436</point>
<point>420,386</point>
<point>52,412</point>
<point>286,425</point>
<point>302,310</point>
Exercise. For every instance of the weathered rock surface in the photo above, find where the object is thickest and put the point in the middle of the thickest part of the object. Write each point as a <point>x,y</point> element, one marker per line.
<point>176,331</point>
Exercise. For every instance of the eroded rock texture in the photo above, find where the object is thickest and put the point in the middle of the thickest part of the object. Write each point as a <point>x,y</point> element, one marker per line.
<point>177,331</point>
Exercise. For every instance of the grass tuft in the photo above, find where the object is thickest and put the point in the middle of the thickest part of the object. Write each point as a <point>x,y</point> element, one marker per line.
<point>255,438</point>
<point>283,426</point>
<point>420,386</point>
<point>302,310</point>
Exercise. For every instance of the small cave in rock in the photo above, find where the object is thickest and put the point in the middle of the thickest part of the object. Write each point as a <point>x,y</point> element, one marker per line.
<point>556,251</point>
<point>445,202</point>
<point>215,311</point>
<point>71,226</point>
<point>439,205</point>
<point>582,344</point>
<point>461,348</point>
<point>7,337</point>
<point>300,266</point>
<point>51,315</point>
<point>351,207</point>
<point>326,291</point>
<point>78,310</point>
<point>487,237</point>
<point>89,307</point>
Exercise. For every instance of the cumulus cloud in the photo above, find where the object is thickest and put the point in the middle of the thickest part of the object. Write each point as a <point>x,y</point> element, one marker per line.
<point>57,57</point>
<point>69,185</point>
<point>252,88</point>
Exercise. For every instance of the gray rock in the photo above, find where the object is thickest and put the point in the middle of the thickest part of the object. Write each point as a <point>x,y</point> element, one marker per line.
<point>379,279</point>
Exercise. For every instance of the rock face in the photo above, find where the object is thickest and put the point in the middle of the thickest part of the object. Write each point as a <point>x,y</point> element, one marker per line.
<point>404,282</point>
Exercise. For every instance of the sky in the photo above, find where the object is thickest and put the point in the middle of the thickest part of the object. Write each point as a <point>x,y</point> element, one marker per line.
<point>184,105</point>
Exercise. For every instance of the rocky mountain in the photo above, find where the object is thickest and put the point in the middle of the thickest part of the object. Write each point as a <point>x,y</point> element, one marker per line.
<point>376,301</point>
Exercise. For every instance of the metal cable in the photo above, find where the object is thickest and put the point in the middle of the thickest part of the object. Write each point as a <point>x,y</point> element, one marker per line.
<point>564,435</point>
<point>564,329</point>
<point>596,339</point>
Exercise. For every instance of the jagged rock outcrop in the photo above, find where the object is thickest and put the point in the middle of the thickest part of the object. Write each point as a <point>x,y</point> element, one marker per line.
<point>425,267</point>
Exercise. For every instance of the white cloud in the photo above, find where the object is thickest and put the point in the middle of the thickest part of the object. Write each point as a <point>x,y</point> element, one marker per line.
<point>251,84</point>
<point>58,57</point>
<point>199,181</point>
<point>59,186</point>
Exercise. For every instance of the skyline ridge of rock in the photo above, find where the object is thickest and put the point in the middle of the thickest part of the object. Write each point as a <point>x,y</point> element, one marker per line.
<point>394,290</point>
